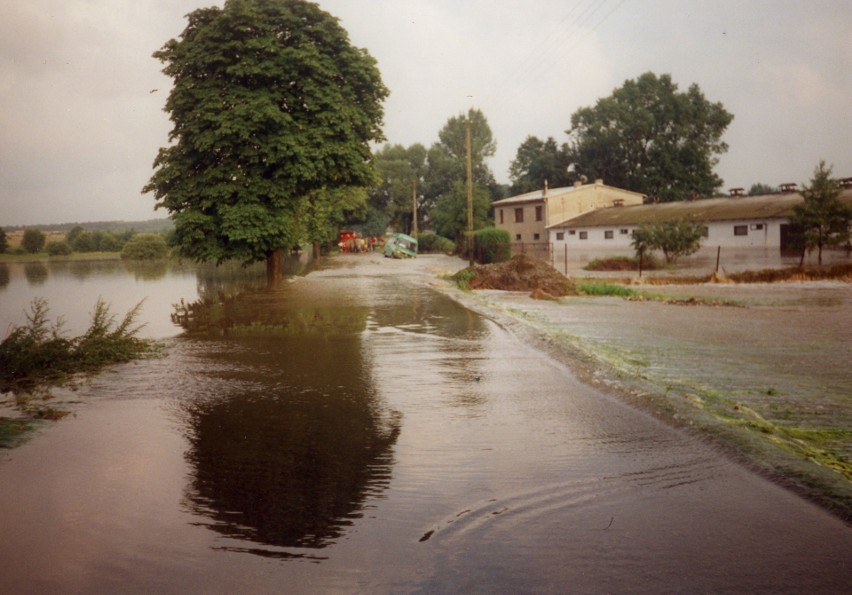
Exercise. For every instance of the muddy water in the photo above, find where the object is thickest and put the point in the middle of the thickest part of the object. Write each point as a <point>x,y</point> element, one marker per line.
<point>358,432</point>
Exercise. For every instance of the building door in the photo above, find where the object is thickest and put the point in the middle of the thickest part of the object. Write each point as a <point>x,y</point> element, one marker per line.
<point>789,239</point>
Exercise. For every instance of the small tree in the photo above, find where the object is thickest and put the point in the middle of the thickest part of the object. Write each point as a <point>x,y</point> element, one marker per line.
<point>4,243</point>
<point>821,220</point>
<point>33,240</point>
<point>673,238</point>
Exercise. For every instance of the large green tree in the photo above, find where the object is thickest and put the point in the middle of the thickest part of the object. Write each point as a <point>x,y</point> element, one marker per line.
<point>821,220</point>
<point>651,138</point>
<point>447,163</point>
<point>539,160</point>
<point>271,103</point>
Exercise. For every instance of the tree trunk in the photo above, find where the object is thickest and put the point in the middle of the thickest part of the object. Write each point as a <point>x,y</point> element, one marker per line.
<point>316,251</point>
<point>274,267</point>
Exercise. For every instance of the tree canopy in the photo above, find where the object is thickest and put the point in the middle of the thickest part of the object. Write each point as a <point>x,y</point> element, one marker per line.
<point>821,219</point>
<point>270,104</point>
<point>33,240</point>
<point>444,191</point>
<point>446,159</point>
<point>648,137</point>
<point>537,161</point>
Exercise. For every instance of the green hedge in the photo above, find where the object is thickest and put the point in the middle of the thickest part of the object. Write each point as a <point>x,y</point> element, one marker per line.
<point>492,245</point>
<point>431,242</point>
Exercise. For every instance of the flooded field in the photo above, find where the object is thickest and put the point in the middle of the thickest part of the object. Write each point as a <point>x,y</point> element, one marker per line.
<point>358,431</point>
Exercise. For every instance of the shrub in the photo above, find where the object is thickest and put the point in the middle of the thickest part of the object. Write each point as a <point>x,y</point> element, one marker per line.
<point>431,242</point>
<point>492,245</point>
<point>33,240</point>
<point>60,248</point>
<point>145,246</point>
<point>674,238</point>
<point>4,242</point>
<point>39,353</point>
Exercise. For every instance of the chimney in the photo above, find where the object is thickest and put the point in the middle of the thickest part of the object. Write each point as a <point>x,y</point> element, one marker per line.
<point>577,183</point>
<point>544,193</point>
<point>598,181</point>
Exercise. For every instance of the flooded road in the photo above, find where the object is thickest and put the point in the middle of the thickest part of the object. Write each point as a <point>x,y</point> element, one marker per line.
<point>359,432</point>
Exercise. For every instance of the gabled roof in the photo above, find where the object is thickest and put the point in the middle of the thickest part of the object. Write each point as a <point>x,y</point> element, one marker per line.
<point>770,206</point>
<point>536,195</point>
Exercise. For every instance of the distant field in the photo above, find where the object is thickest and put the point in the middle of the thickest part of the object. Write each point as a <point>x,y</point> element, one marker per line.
<point>15,237</point>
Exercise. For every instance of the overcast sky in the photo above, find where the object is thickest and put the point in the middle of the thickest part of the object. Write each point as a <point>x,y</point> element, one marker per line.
<point>81,97</point>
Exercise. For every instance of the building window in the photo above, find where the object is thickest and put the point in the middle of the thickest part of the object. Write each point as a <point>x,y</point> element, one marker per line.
<point>624,232</point>
<point>740,230</point>
<point>572,232</point>
<point>538,213</point>
<point>501,216</point>
<point>517,237</point>
<point>560,235</point>
<point>536,236</point>
<point>519,215</point>
<point>757,226</point>
<point>608,234</point>
<point>705,231</point>
<point>584,235</point>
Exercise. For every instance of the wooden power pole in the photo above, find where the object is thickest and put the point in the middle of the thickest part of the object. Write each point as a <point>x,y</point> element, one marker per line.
<point>469,194</point>
<point>414,209</point>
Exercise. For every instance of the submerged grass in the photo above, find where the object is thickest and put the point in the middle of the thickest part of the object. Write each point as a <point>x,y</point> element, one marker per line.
<point>38,355</point>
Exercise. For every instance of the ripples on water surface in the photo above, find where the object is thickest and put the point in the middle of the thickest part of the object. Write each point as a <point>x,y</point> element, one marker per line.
<point>367,434</point>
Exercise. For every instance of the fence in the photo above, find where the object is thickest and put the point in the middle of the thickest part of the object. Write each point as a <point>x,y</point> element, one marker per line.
<point>540,250</point>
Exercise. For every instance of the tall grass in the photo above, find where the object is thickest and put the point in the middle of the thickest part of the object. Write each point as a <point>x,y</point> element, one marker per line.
<point>604,289</point>
<point>38,353</point>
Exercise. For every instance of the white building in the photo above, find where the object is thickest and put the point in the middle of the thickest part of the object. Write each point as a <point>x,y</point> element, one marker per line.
<point>750,225</point>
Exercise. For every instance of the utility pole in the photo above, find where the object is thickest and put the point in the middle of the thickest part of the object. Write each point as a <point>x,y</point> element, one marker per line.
<point>469,194</point>
<point>414,209</point>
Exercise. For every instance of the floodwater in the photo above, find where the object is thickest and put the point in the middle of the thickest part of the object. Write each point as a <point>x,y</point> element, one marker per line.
<point>357,431</point>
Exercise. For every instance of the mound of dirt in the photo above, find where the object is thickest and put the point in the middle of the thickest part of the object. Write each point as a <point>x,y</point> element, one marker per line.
<point>520,273</point>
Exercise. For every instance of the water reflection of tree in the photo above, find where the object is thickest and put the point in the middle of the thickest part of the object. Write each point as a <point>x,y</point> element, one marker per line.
<point>289,439</point>
<point>287,470</point>
<point>4,275</point>
<point>231,278</point>
<point>147,270</point>
<point>35,272</point>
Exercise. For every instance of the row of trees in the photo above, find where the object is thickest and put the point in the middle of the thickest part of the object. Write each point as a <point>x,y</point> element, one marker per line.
<point>129,243</point>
